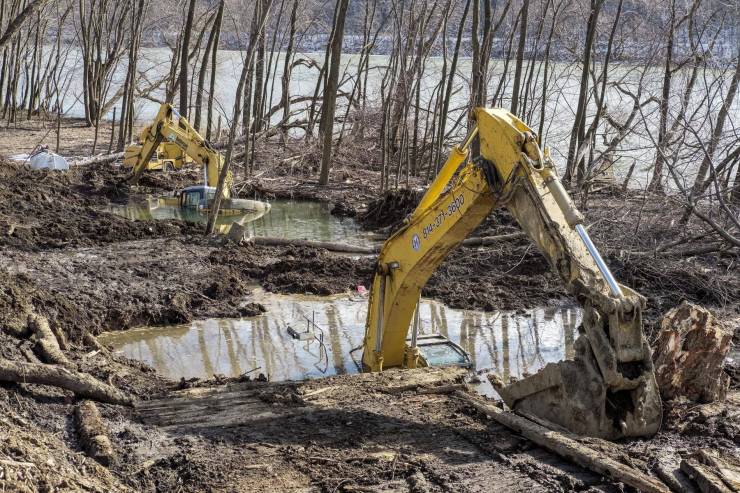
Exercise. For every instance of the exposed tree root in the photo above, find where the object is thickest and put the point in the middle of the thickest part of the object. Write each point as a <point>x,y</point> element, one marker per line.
<point>81,384</point>
<point>46,342</point>
<point>93,433</point>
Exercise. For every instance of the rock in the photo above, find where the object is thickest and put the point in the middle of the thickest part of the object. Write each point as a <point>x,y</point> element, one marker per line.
<point>689,355</point>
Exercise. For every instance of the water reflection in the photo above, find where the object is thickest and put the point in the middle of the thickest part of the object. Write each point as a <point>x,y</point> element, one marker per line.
<point>285,219</point>
<point>158,208</point>
<point>308,221</point>
<point>507,343</point>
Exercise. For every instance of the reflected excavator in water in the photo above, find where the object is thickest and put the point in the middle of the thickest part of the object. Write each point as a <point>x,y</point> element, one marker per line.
<point>608,390</point>
<point>171,129</point>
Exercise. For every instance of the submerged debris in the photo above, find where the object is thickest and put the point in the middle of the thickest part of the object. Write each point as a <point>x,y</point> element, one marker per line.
<point>690,353</point>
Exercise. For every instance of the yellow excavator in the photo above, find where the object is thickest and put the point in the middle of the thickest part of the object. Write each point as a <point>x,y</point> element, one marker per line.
<point>167,157</point>
<point>171,129</point>
<point>608,390</point>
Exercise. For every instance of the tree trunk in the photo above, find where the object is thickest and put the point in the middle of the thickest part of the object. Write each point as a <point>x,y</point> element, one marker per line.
<point>81,384</point>
<point>287,65</point>
<point>15,24</point>
<point>262,16</point>
<point>520,57</point>
<point>579,125</point>
<point>204,68</point>
<point>450,80</point>
<point>330,92</point>
<point>656,182</point>
<point>717,131</point>
<point>214,54</point>
<point>184,52</point>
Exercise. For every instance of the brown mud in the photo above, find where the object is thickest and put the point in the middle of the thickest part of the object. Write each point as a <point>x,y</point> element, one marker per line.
<point>90,271</point>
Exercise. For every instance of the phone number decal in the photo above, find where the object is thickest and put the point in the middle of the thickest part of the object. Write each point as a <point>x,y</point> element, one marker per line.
<point>443,215</point>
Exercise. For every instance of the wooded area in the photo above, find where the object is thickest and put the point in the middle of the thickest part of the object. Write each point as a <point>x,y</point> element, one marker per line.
<point>648,88</point>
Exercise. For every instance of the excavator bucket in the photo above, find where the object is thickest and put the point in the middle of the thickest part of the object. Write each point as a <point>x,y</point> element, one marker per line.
<point>608,390</point>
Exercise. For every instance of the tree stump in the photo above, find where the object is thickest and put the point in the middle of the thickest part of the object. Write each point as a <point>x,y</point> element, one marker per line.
<point>690,353</point>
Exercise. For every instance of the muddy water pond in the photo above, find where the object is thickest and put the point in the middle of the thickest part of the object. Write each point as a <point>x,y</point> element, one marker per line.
<point>304,220</point>
<point>294,220</point>
<point>508,343</point>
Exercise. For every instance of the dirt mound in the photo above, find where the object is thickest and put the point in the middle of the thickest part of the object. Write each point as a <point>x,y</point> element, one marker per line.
<point>343,209</point>
<point>43,209</point>
<point>123,285</point>
<point>297,269</point>
<point>390,209</point>
<point>158,181</point>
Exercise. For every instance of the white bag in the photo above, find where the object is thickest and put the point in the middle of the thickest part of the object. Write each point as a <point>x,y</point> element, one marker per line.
<point>48,160</point>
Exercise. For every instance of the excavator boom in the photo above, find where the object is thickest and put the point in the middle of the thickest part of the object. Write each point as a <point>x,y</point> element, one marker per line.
<point>609,389</point>
<point>170,127</point>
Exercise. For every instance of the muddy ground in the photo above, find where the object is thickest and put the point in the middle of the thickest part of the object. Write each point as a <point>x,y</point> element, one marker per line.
<point>89,271</point>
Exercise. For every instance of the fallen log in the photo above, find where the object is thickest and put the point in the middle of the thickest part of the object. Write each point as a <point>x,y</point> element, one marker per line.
<point>713,472</point>
<point>81,384</point>
<point>93,434</point>
<point>326,245</point>
<point>46,342</point>
<point>704,476</point>
<point>675,478</point>
<point>99,159</point>
<point>568,447</point>
<point>92,341</point>
<point>371,250</point>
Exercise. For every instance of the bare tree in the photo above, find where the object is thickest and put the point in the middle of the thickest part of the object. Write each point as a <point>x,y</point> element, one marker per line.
<point>184,59</point>
<point>330,92</point>
<point>578,133</point>
<point>17,22</point>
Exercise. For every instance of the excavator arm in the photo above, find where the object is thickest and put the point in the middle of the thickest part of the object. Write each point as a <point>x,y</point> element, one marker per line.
<point>169,126</point>
<point>609,389</point>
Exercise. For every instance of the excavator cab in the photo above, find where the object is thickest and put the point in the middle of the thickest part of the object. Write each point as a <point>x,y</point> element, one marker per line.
<point>197,196</point>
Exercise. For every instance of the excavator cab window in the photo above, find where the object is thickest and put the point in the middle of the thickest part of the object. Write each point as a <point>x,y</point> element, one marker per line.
<point>191,198</point>
<point>437,350</point>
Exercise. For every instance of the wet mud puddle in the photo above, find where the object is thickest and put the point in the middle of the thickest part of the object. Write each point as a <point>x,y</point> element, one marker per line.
<point>294,220</point>
<point>510,344</point>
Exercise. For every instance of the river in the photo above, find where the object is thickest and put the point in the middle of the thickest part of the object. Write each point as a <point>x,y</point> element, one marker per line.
<point>563,93</point>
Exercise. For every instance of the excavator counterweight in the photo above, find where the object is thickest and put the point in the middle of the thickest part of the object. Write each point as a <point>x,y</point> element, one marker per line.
<point>608,390</point>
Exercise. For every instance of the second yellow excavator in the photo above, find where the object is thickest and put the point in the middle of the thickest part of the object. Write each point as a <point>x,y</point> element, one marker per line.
<point>171,129</point>
<point>608,390</point>
<point>168,156</point>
